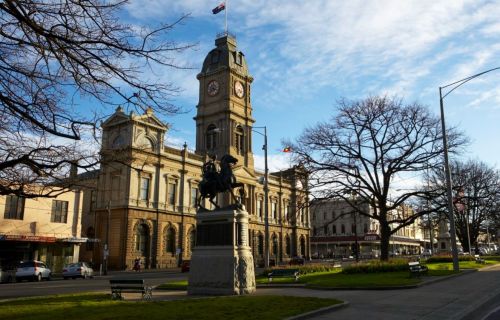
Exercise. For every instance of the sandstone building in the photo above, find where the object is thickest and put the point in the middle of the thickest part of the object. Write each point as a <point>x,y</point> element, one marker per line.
<point>144,203</point>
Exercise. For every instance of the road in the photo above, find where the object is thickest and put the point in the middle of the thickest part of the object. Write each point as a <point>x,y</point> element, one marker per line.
<point>473,296</point>
<point>98,283</point>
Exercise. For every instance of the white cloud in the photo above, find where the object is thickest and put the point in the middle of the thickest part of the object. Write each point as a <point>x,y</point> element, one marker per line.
<point>275,162</point>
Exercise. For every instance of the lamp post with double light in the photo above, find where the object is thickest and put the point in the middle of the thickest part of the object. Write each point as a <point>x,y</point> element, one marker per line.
<point>451,87</point>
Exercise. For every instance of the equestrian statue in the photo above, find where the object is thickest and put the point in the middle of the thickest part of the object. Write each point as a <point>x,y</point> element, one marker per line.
<point>217,181</point>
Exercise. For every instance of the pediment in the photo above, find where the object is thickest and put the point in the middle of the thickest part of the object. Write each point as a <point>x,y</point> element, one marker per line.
<point>152,120</point>
<point>115,119</point>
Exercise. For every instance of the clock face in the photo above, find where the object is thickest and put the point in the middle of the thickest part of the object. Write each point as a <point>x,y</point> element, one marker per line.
<point>238,89</point>
<point>213,88</point>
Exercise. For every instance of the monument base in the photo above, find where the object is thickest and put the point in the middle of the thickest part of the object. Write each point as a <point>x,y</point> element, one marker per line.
<point>222,262</point>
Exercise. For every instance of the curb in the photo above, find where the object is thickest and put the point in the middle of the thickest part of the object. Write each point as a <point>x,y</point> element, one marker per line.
<point>320,311</point>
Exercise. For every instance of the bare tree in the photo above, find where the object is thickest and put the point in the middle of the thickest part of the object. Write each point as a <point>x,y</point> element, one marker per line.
<point>477,194</point>
<point>55,55</point>
<point>364,148</point>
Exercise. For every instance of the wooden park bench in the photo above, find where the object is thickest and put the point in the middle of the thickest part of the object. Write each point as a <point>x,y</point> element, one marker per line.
<point>120,286</point>
<point>283,273</point>
<point>416,269</point>
<point>479,259</point>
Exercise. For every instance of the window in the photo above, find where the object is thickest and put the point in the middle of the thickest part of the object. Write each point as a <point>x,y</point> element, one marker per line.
<point>325,230</point>
<point>170,240</point>
<point>285,211</point>
<point>14,207</point>
<point>365,228</point>
<point>144,192</point>
<point>273,210</point>
<point>334,229</point>
<point>59,211</point>
<point>238,139</point>
<point>141,239</point>
<point>194,196</point>
<point>342,229</point>
<point>324,215</point>
<point>211,137</point>
<point>260,245</point>
<point>171,193</point>
<point>353,229</point>
<point>259,208</point>
<point>192,240</point>
<point>275,245</point>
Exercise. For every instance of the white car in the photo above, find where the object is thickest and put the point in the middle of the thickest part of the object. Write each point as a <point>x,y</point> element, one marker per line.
<point>33,270</point>
<point>78,270</point>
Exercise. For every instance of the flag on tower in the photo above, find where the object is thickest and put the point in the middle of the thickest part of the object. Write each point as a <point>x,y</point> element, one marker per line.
<point>219,8</point>
<point>287,149</point>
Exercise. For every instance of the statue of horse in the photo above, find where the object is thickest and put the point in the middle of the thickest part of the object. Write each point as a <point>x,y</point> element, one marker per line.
<point>215,182</point>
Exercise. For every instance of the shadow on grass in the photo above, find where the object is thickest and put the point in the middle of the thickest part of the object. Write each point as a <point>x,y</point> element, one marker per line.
<point>100,307</point>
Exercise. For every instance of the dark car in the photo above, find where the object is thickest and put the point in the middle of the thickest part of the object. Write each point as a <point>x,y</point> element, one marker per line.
<point>297,261</point>
<point>185,265</point>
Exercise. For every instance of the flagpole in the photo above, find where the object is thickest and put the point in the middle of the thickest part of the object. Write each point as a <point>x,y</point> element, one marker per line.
<point>225,11</point>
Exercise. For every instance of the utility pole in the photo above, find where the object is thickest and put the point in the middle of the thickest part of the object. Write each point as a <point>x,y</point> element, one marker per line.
<point>106,245</point>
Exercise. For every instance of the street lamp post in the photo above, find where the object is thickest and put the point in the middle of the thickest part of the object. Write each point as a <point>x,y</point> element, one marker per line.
<point>451,216</point>
<point>266,195</point>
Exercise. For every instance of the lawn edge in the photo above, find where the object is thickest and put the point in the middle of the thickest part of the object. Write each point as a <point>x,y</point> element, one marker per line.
<point>320,311</point>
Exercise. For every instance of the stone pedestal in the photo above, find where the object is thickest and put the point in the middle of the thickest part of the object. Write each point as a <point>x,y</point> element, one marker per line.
<point>222,261</point>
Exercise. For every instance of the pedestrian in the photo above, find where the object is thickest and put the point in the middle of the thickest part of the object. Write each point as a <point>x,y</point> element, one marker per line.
<point>137,264</point>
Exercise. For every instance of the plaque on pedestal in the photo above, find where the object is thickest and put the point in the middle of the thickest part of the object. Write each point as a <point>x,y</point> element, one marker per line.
<point>222,261</point>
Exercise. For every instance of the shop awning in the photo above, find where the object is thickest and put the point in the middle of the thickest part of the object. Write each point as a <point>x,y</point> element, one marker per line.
<point>20,237</point>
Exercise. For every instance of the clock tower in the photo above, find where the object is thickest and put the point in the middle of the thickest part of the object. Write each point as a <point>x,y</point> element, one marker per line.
<point>224,112</point>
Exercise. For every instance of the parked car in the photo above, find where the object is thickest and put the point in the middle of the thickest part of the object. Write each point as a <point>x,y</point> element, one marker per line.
<point>78,270</point>
<point>33,270</point>
<point>7,274</point>
<point>185,265</point>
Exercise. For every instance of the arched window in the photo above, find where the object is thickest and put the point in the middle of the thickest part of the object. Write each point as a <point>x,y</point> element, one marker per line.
<point>302,246</point>
<point>211,137</point>
<point>275,245</point>
<point>170,240</point>
<point>192,240</point>
<point>260,244</point>
<point>238,139</point>
<point>287,245</point>
<point>141,239</point>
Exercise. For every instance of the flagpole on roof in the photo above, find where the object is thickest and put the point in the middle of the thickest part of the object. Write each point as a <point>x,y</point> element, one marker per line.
<point>227,2</point>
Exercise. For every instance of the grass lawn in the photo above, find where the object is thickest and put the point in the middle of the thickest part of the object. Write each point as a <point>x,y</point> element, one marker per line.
<point>336,279</point>
<point>462,264</point>
<point>100,306</point>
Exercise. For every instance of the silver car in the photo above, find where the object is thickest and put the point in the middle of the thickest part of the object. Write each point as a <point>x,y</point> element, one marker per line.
<point>33,270</point>
<point>78,270</point>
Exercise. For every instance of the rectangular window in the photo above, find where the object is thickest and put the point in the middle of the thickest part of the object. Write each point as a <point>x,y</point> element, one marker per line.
<point>273,210</point>
<point>194,197</point>
<point>59,211</point>
<point>144,192</point>
<point>285,213</point>
<point>14,207</point>
<point>171,194</point>
<point>259,208</point>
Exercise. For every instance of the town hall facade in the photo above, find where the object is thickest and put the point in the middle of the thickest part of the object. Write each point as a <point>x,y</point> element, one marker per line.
<point>145,200</point>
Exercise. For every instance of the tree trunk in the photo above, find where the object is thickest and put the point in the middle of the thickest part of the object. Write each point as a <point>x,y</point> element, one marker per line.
<point>385,235</point>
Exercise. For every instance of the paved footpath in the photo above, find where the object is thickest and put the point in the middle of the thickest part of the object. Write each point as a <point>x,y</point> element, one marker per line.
<point>468,296</point>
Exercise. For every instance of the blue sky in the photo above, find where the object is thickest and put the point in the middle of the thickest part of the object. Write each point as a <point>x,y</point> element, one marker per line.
<point>305,55</point>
